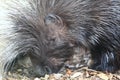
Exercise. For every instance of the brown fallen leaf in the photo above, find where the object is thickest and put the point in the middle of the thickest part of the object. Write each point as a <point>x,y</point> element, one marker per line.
<point>68,72</point>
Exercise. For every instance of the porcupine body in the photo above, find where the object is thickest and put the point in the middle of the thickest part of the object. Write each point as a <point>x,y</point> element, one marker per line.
<point>48,30</point>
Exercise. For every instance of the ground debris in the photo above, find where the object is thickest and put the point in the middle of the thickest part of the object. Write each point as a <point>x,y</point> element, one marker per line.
<point>79,74</point>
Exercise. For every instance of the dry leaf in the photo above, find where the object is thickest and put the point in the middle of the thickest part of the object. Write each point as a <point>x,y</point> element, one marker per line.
<point>76,75</point>
<point>103,76</point>
<point>68,71</point>
<point>58,76</point>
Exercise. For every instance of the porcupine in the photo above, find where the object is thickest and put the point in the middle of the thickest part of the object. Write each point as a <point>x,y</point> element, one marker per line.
<point>48,30</point>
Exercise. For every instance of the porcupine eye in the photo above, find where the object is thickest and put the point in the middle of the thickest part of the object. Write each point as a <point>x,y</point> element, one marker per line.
<point>50,19</point>
<point>53,19</point>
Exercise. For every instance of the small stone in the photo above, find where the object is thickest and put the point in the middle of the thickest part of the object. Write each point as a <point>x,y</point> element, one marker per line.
<point>36,79</point>
<point>19,70</point>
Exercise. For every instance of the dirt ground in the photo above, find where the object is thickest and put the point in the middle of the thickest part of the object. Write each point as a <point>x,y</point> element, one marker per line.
<point>80,74</point>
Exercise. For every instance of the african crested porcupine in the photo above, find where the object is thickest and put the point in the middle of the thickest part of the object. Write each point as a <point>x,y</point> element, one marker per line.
<point>48,30</point>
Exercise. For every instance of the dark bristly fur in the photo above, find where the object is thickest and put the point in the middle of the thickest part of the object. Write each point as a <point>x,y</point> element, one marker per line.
<point>38,28</point>
<point>48,30</point>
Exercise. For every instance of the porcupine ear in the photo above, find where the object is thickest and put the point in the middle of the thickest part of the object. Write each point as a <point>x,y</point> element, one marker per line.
<point>52,19</point>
